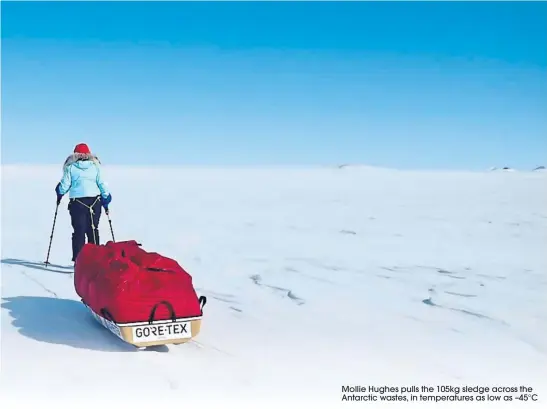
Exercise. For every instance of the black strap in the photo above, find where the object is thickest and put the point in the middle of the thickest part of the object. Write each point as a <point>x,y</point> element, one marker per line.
<point>160,270</point>
<point>169,307</point>
<point>107,314</point>
<point>202,302</point>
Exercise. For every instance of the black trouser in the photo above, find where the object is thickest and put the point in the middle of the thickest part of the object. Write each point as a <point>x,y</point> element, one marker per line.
<point>85,213</point>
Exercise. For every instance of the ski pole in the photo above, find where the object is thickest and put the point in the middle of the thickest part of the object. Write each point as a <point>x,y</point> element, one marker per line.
<point>110,222</point>
<point>51,237</point>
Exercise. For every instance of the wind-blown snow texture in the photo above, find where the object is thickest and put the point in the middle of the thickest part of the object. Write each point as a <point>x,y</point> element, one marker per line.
<point>315,278</point>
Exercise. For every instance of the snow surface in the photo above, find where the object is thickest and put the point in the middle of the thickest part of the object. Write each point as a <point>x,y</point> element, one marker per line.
<point>315,278</point>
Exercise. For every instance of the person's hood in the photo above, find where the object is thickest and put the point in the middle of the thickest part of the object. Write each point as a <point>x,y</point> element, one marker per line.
<point>82,160</point>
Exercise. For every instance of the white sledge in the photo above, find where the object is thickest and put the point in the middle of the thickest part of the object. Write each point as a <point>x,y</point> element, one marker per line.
<point>146,334</point>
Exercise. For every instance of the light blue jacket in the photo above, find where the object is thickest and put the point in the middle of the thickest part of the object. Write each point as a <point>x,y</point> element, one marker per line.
<point>82,177</point>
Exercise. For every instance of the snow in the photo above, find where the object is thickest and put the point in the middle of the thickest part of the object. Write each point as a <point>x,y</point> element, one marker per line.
<point>316,278</point>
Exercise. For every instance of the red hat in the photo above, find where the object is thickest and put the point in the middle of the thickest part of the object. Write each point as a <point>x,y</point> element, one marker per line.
<point>82,148</point>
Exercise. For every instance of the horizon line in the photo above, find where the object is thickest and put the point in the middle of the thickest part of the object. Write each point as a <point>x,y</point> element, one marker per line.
<point>341,167</point>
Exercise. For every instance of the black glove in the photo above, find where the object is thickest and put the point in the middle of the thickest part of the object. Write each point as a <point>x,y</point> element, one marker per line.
<point>59,195</point>
<point>106,201</point>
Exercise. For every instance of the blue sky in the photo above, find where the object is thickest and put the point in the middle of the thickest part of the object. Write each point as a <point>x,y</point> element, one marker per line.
<point>404,84</point>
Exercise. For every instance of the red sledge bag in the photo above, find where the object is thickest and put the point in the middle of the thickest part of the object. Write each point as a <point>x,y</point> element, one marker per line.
<point>144,298</point>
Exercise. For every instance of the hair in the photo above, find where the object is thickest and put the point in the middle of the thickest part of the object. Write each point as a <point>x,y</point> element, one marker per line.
<point>75,157</point>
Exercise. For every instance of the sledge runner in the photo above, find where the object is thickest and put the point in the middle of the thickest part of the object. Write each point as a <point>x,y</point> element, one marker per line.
<point>83,181</point>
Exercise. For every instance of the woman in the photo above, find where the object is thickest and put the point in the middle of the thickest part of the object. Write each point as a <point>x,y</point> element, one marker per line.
<point>87,192</point>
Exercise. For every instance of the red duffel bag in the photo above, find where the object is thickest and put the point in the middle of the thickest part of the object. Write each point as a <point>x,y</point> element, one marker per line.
<point>128,286</point>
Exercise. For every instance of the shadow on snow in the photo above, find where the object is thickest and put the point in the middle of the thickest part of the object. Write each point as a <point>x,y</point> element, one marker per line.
<point>38,266</point>
<point>63,322</point>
